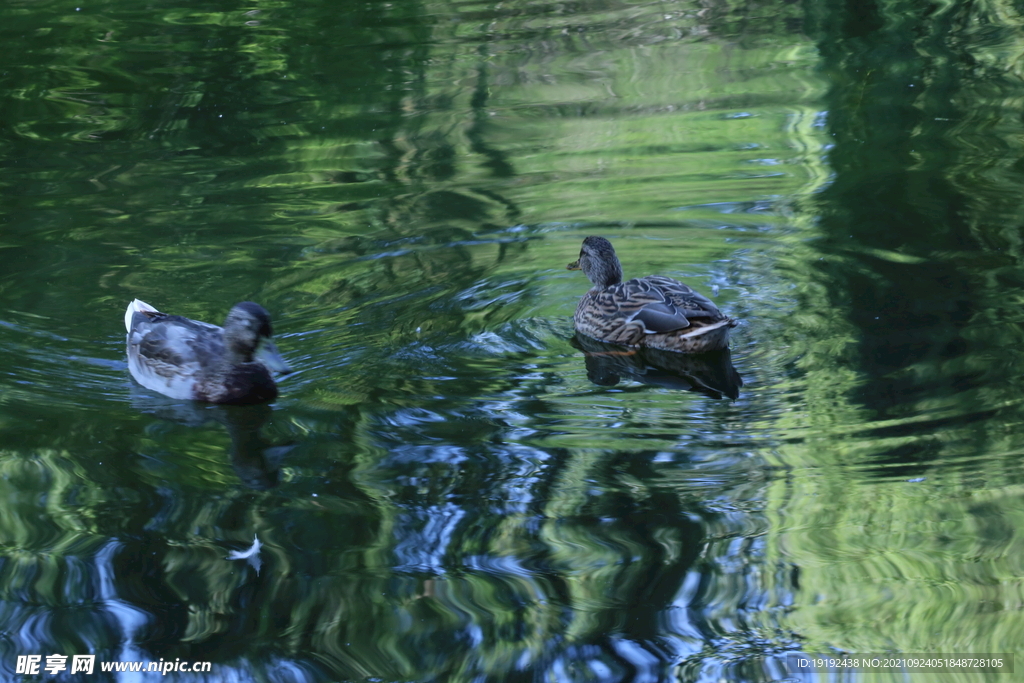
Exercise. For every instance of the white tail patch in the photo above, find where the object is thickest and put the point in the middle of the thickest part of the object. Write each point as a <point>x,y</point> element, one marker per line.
<point>136,306</point>
<point>708,328</point>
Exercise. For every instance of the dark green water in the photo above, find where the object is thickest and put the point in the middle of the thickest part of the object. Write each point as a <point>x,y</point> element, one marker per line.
<point>449,488</point>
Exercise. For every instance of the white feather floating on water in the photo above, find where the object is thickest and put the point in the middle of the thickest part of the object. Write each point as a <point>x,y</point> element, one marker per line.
<point>250,555</point>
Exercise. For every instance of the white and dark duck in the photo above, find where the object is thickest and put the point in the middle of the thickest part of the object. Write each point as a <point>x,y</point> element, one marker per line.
<point>652,311</point>
<point>188,359</point>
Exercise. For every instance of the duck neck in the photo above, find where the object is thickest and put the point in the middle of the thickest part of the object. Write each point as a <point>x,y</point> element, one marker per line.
<point>236,354</point>
<point>606,273</point>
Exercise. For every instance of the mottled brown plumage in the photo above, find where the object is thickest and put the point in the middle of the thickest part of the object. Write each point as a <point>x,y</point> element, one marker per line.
<point>654,311</point>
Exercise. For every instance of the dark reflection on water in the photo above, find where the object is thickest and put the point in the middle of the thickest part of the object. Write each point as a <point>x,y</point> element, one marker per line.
<point>711,374</point>
<point>255,459</point>
<point>913,238</point>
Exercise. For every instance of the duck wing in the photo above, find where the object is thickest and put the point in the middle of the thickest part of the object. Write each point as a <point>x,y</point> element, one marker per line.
<point>172,355</point>
<point>659,303</point>
<point>176,342</point>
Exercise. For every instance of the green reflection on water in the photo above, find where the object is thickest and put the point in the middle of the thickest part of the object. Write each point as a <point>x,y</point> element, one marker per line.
<point>442,490</point>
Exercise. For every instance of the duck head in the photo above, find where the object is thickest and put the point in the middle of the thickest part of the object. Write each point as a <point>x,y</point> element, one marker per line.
<point>598,262</point>
<point>247,333</point>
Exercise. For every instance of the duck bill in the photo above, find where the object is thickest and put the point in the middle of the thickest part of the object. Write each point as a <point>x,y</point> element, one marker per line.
<point>575,265</point>
<point>268,354</point>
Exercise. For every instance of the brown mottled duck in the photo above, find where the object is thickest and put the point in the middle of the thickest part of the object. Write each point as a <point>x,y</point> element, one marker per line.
<point>653,311</point>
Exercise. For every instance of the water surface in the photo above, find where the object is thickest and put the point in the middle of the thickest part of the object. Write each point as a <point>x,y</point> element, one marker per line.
<point>451,486</point>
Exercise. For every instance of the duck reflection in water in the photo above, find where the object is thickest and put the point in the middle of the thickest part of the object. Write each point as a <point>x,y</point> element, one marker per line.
<point>711,373</point>
<point>255,460</point>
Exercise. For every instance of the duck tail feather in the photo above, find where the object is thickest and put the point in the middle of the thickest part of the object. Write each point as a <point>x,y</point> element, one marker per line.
<point>136,306</point>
